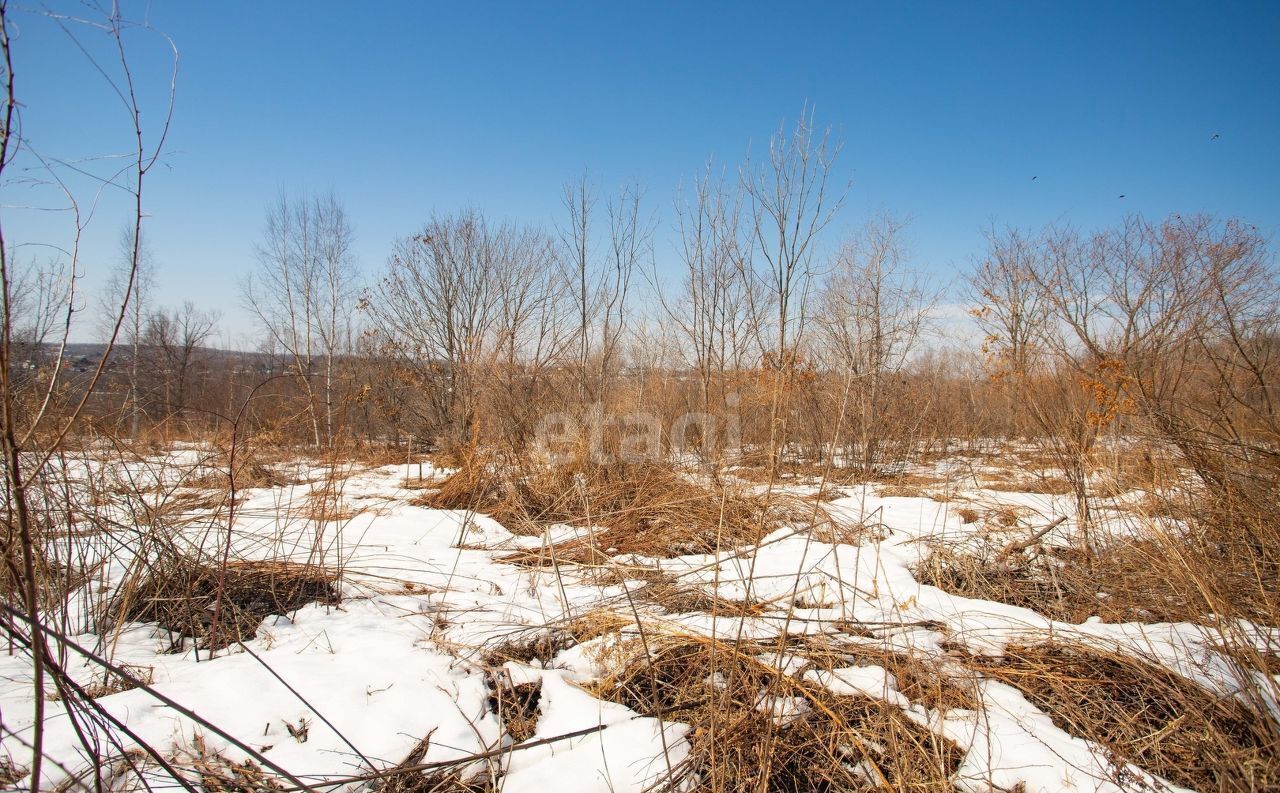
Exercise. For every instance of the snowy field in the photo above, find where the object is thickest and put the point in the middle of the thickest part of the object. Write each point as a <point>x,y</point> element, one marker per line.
<point>405,671</point>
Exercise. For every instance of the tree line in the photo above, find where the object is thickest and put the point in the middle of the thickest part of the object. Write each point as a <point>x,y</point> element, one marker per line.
<point>821,349</point>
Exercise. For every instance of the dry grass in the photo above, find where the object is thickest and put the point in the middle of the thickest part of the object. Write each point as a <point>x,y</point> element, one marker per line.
<point>404,777</point>
<point>1142,467</point>
<point>908,491</point>
<point>1129,581</point>
<point>181,595</point>
<point>1042,485</point>
<point>250,473</point>
<point>919,678</point>
<point>323,506</point>
<point>676,598</point>
<point>195,500</point>
<point>823,741</point>
<point>516,706</point>
<point>217,774</point>
<point>913,485</point>
<point>114,684</point>
<point>543,644</point>
<point>10,773</point>
<point>1153,506</point>
<point>640,508</point>
<point>1145,715</point>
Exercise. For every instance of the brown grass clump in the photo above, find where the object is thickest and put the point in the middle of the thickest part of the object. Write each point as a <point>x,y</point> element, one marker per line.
<point>1153,506</point>
<point>113,684</point>
<point>1044,485</point>
<point>1125,580</point>
<point>1145,715</point>
<point>1034,583</point>
<point>10,773</point>
<point>476,485</point>
<point>912,485</point>
<point>677,598</point>
<point>406,777</point>
<point>1142,467</point>
<point>903,491</point>
<point>543,644</point>
<point>250,473</point>
<point>217,774</point>
<point>180,594</point>
<point>755,468</point>
<point>516,706</point>
<point>642,508</point>
<point>920,679</point>
<point>325,506</point>
<point>823,742</point>
<point>193,501</point>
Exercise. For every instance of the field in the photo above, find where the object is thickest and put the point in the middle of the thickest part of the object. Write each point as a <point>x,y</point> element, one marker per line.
<point>704,470</point>
<point>630,628</point>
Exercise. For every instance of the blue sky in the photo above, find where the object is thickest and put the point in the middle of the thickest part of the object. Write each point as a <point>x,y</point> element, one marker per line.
<point>947,111</point>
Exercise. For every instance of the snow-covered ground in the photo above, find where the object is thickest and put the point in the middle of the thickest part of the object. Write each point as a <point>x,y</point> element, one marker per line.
<point>328,692</point>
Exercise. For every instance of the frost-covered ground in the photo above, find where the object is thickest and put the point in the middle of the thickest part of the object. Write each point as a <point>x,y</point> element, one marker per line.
<point>330,692</point>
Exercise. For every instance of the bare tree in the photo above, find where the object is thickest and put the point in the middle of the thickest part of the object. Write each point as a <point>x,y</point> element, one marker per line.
<point>132,288</point>
<point>36,302</point>
<point>1173,322</point>
<point>711,312</point>
<point>303,296</point>
<point>600,284</point>
<point>873,314</point>
<point>435,307</point>
<point>532,330</point>
<point>177,338</point>
<point>1010,307</point>
<point>790,203</point>
<point>30,439</point>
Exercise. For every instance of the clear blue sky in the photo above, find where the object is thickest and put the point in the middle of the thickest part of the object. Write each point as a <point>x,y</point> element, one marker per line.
<point>947,112</point>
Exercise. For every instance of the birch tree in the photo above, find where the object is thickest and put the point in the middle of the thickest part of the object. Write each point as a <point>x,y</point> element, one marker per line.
<point>873,314</point>
<point>303,296</point>
<point>600,282</point>
<point>710,312</point>
<point>791,199</point>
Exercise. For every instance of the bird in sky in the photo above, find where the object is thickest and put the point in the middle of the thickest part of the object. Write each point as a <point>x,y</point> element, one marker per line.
<point>1214,136</point>
<point>1122,195</point>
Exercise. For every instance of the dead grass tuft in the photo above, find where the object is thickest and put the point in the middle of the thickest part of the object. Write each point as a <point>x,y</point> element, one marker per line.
<point>543,644</point>
<point>516,706</point>
<point>10,773</point>
<point>756,729</point>
<point>406,777</point>
<point>1145,715</point>
<point>1042,485</point>
<point>1127,582</point>
<point>919,678</point>
<point>217,774</point>
<point>180,594</point>
<point>638,508</point>
<point>114,684</point>
<point>913,485</point>
<point>1141,467</point>
<point>324,507</point>
<point>677,598</point>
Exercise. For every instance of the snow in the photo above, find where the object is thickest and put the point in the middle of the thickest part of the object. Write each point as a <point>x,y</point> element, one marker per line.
<point>630,755</point>
<point>426,591</point>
